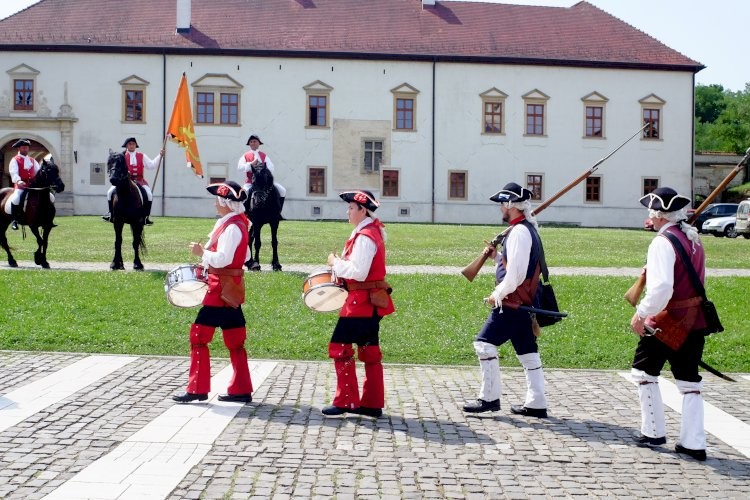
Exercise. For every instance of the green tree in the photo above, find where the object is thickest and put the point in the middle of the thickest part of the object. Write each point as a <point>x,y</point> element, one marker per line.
<point>710,102</point>
<point>729,130</point>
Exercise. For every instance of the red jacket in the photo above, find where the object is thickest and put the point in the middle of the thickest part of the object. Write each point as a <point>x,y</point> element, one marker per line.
<point>249,173</point>
<point>358,303</point>
<point>136,171</point>
<point>213,295</point>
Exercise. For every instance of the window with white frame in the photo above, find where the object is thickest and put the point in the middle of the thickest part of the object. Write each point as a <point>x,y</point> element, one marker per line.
<point>372,155</point>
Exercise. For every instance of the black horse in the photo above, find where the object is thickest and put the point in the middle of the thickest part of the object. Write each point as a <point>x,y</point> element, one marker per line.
<point>39,211</point>
<point>263,207</point>
<point>128,207</point>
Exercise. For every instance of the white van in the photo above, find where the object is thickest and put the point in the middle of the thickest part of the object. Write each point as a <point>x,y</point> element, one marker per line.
<point>742,225</point>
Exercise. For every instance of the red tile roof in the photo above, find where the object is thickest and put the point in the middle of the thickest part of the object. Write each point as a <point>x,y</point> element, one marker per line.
<point>578,35</point>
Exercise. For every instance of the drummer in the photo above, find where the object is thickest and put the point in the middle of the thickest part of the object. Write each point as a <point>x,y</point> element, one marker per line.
<point>362,267</point>
<point>223,256</point>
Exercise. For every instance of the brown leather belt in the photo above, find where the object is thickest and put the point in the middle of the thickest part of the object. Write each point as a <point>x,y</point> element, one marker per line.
<point>366,285</point>
<point>222,271</point>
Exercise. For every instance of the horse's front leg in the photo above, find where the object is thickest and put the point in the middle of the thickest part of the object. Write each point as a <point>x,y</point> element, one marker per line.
<point>137,230</point>
<point>45,242</point>
<point>39,258</point>
<point>117,264</point>
<point>255,266</point>
<point>275,246</point>
<point>4,242</point>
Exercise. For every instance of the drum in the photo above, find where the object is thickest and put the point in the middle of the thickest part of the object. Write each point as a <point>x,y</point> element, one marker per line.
<point>186,286</point>
<point>321,292</point>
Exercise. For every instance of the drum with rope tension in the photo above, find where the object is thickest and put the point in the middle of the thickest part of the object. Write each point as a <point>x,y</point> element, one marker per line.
<point>322,292</point>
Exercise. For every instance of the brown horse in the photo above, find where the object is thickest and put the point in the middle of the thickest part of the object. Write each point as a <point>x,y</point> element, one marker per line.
<point>38,210</point>
<point>127,208</point>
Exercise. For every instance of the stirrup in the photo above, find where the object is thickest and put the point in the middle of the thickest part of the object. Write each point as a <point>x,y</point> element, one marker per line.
<point>14,225</point>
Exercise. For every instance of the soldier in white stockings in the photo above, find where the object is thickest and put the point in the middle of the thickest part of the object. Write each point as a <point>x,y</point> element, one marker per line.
<point>668,287</point>
<point>517,277</point>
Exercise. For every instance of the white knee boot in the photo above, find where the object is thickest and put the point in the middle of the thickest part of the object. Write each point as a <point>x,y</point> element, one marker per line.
<point>532,365</point>
<point>692,433</point>
<point>491,387</point>
<point>652,408</point>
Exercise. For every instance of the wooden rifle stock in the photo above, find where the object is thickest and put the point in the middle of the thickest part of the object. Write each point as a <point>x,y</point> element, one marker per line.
<point>633,295</point>
<point>471,271</point>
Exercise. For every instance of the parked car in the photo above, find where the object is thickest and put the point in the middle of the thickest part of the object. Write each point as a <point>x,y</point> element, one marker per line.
<point>715,210</point>
<point>742,224</point>
<point>721,226</point>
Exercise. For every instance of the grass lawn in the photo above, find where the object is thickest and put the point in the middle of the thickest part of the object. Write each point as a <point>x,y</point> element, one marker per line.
<point>435,323</point>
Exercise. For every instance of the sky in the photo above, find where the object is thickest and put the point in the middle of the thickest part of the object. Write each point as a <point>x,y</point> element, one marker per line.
<point>709,32</point>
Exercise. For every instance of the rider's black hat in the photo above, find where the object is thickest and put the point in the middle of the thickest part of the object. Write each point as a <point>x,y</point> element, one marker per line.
<point>125,144</point>
<point>253,137</point>
<point>21,142</point>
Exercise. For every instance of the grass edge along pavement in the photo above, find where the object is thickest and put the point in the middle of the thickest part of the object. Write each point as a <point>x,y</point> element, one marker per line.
<point>436,320</point>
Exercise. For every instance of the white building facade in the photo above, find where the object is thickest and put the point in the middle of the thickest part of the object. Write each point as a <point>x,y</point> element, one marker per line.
<point>432,136</point>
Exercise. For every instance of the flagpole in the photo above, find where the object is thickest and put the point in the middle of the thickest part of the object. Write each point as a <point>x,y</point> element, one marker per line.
<point>161,158</point>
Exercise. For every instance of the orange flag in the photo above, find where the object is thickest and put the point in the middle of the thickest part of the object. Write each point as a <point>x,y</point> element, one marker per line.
<point>181,128</point>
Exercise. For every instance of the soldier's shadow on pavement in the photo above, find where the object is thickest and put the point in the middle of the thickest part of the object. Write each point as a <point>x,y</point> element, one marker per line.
<point>435,430</point>
<point>595,431</point>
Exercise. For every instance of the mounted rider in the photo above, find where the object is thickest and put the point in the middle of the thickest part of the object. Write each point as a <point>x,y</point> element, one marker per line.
<point>136,162</point>
<point>22,168</point>
<point>252,158</point>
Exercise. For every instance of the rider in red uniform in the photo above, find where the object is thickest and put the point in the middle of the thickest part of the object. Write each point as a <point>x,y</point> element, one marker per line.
<point>22,169</point>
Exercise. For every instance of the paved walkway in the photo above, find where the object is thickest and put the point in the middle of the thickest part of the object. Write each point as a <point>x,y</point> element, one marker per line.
<point>417,269</point>
<point>89,426</point>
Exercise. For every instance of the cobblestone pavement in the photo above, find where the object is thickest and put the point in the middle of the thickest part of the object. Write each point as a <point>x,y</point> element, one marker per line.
<point>424,446</point>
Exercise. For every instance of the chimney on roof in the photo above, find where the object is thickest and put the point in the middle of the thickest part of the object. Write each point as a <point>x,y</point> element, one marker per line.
<point>428,2</point>
<point>183,16</point>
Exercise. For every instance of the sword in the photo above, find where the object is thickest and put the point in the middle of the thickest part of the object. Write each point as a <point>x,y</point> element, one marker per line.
<point>650,332</point>
<point>534,310</point>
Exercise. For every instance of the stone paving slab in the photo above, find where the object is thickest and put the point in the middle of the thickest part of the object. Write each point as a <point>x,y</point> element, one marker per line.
<point>280,446</point>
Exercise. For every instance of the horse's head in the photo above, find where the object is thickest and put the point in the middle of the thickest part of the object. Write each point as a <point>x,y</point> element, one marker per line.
<point>49,176</point>
<point>262,176</point>
<point>117,169</point>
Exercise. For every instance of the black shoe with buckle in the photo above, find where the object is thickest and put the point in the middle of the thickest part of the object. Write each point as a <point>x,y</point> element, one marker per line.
<point>368,412</point>
<point>236,398</point>
<point>481,406</point>
<point>528,412</point>
<point>643,440</point>
<point>189,396</point>
<point>696,454</point>
<point>332,411</point>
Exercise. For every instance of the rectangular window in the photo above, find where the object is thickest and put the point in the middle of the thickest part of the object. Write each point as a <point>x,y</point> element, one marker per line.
<point>229,107</point>
<point>534,184</point>
<point>390,183</point>
<point>457,188</point>
<point>404,114</point>
<point>594,189</point>
<point>318,115</point>
<point>23,95</point>
<point>594,121</point>
<point>651,118</point>
<point>316,180</point>
<point>204,107</point>
<point>373,156</point>
<point>493,117</point>
<point>133,105</point>
<point>535,119</point>
<point>649,185</point>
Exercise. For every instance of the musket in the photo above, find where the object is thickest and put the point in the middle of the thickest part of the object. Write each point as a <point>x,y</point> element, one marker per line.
<point>470,272</point>
<point>650,332</point>
<point>633,294</point>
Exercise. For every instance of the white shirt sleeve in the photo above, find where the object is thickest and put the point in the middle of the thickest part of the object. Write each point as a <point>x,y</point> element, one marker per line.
<point>227,245</point>
<point>149,163</point>
<point>357,266</point>
<point>518,245</point>
<point>13,171</point>
<point>243,165</point>
<point>659,276</point>
<point>269,163</point>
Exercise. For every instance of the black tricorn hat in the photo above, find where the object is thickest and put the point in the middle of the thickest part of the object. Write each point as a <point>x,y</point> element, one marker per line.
<point>125,144</point>
<point>253,137</point>
<point>21,142</point>
<point>511,192</point>
<point>228,189</point>
<point>664,199</point>
<point>364,198</point>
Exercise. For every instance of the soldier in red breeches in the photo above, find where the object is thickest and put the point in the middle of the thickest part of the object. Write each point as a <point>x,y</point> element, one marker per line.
<point>223,256</point>
<point>362,266</point>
